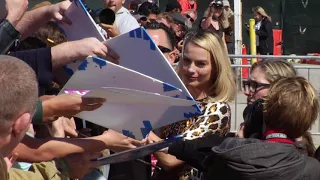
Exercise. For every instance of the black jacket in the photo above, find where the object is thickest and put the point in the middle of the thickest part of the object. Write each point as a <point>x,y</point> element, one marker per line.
<point>130,170</point>
<point>251,159</point>
<point>317,154</point>
<point>40,61</point>
<point>265,34</point>
<point>8,36</point>
<point>195,151</point>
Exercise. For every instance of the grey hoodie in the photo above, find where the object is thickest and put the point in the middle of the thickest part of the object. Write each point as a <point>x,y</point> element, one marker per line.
<point>250,159</point>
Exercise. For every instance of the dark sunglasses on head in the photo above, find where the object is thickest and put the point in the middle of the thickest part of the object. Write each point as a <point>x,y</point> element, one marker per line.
<point>217,6</point>
<point>164,49</point>
<point>188,17</point>
<point>254,86</point>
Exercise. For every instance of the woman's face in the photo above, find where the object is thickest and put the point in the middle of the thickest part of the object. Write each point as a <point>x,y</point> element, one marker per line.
<point>178,30</point>
<point>195,68</point>
<point>259,86</point>
<point>217,11</point>
<point>257,16</point>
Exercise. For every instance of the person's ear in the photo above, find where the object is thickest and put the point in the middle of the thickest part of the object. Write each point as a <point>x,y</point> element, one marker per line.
<point>123,1</point>
<point>172,57</point>
<point>21,124</point>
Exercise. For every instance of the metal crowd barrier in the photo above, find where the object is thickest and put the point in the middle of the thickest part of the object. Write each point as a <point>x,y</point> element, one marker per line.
<point>273,56</point>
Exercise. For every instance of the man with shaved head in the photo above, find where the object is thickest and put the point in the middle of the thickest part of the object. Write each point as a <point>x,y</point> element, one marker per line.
<point>18,98</point>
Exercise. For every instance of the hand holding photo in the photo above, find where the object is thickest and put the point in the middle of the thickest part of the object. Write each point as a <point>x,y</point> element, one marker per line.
<point>138,152</point>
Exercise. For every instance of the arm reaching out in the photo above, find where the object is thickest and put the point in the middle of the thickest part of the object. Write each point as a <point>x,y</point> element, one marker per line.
<point>16,10</point>
<point>39,150</point>
<point>34,19</point>
<point>79,50</point>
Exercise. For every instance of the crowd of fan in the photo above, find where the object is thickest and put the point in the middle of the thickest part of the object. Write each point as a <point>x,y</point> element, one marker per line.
<point>40,139</point>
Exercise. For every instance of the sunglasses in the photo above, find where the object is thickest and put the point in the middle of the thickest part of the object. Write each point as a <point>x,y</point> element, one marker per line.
<point>254,86</point>
<point>143,18</point>
<point>164,49</point>
<point>188,17</point>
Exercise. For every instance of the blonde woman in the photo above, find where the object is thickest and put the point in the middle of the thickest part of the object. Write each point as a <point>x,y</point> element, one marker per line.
<point>262,75</point>
<point>206,72</point>
<point>264,31</point>
<point>215,19</point>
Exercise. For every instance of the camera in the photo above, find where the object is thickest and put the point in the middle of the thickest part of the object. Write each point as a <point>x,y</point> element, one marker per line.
<point>253,119</point>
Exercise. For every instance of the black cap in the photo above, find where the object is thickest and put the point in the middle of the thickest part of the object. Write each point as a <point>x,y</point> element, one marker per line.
<point>217,3</point>
<point>173,4</point>
<point>178,18</point>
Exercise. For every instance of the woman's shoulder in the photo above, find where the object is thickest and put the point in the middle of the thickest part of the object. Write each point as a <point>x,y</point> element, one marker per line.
<point>211,102</point>
<point>266,21</point>
<point>210,107</point>
<point>214,120</point>
<point>223,107</point>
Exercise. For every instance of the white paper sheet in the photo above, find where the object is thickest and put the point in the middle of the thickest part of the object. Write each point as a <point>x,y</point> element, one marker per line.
<point>95,73</point>
<point>116,95</point>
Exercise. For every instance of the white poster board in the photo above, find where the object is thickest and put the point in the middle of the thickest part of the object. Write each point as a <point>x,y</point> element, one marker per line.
<point>136,103</point>
<point>83,25</point>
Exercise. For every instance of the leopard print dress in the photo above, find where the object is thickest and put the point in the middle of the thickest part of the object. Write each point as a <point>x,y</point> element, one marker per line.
<point>215,119</point>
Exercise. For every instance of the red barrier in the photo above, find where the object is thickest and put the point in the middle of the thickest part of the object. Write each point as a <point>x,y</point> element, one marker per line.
<point>245,71</point>
<point>277,42</point>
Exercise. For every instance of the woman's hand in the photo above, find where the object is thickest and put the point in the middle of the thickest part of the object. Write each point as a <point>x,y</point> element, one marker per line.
<point>180,45</point>
<point>118,142</point>
<point>240,132</point>
<point>153,137</point>
<point>112,30</point>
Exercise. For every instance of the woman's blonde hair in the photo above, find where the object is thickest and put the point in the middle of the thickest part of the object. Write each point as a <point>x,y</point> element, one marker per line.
<point>223,88</point>
<point>262,12</point>
<point>291,106</point>
<point>166,16</point>
<point>223,19</point>
<point>275,69</point>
